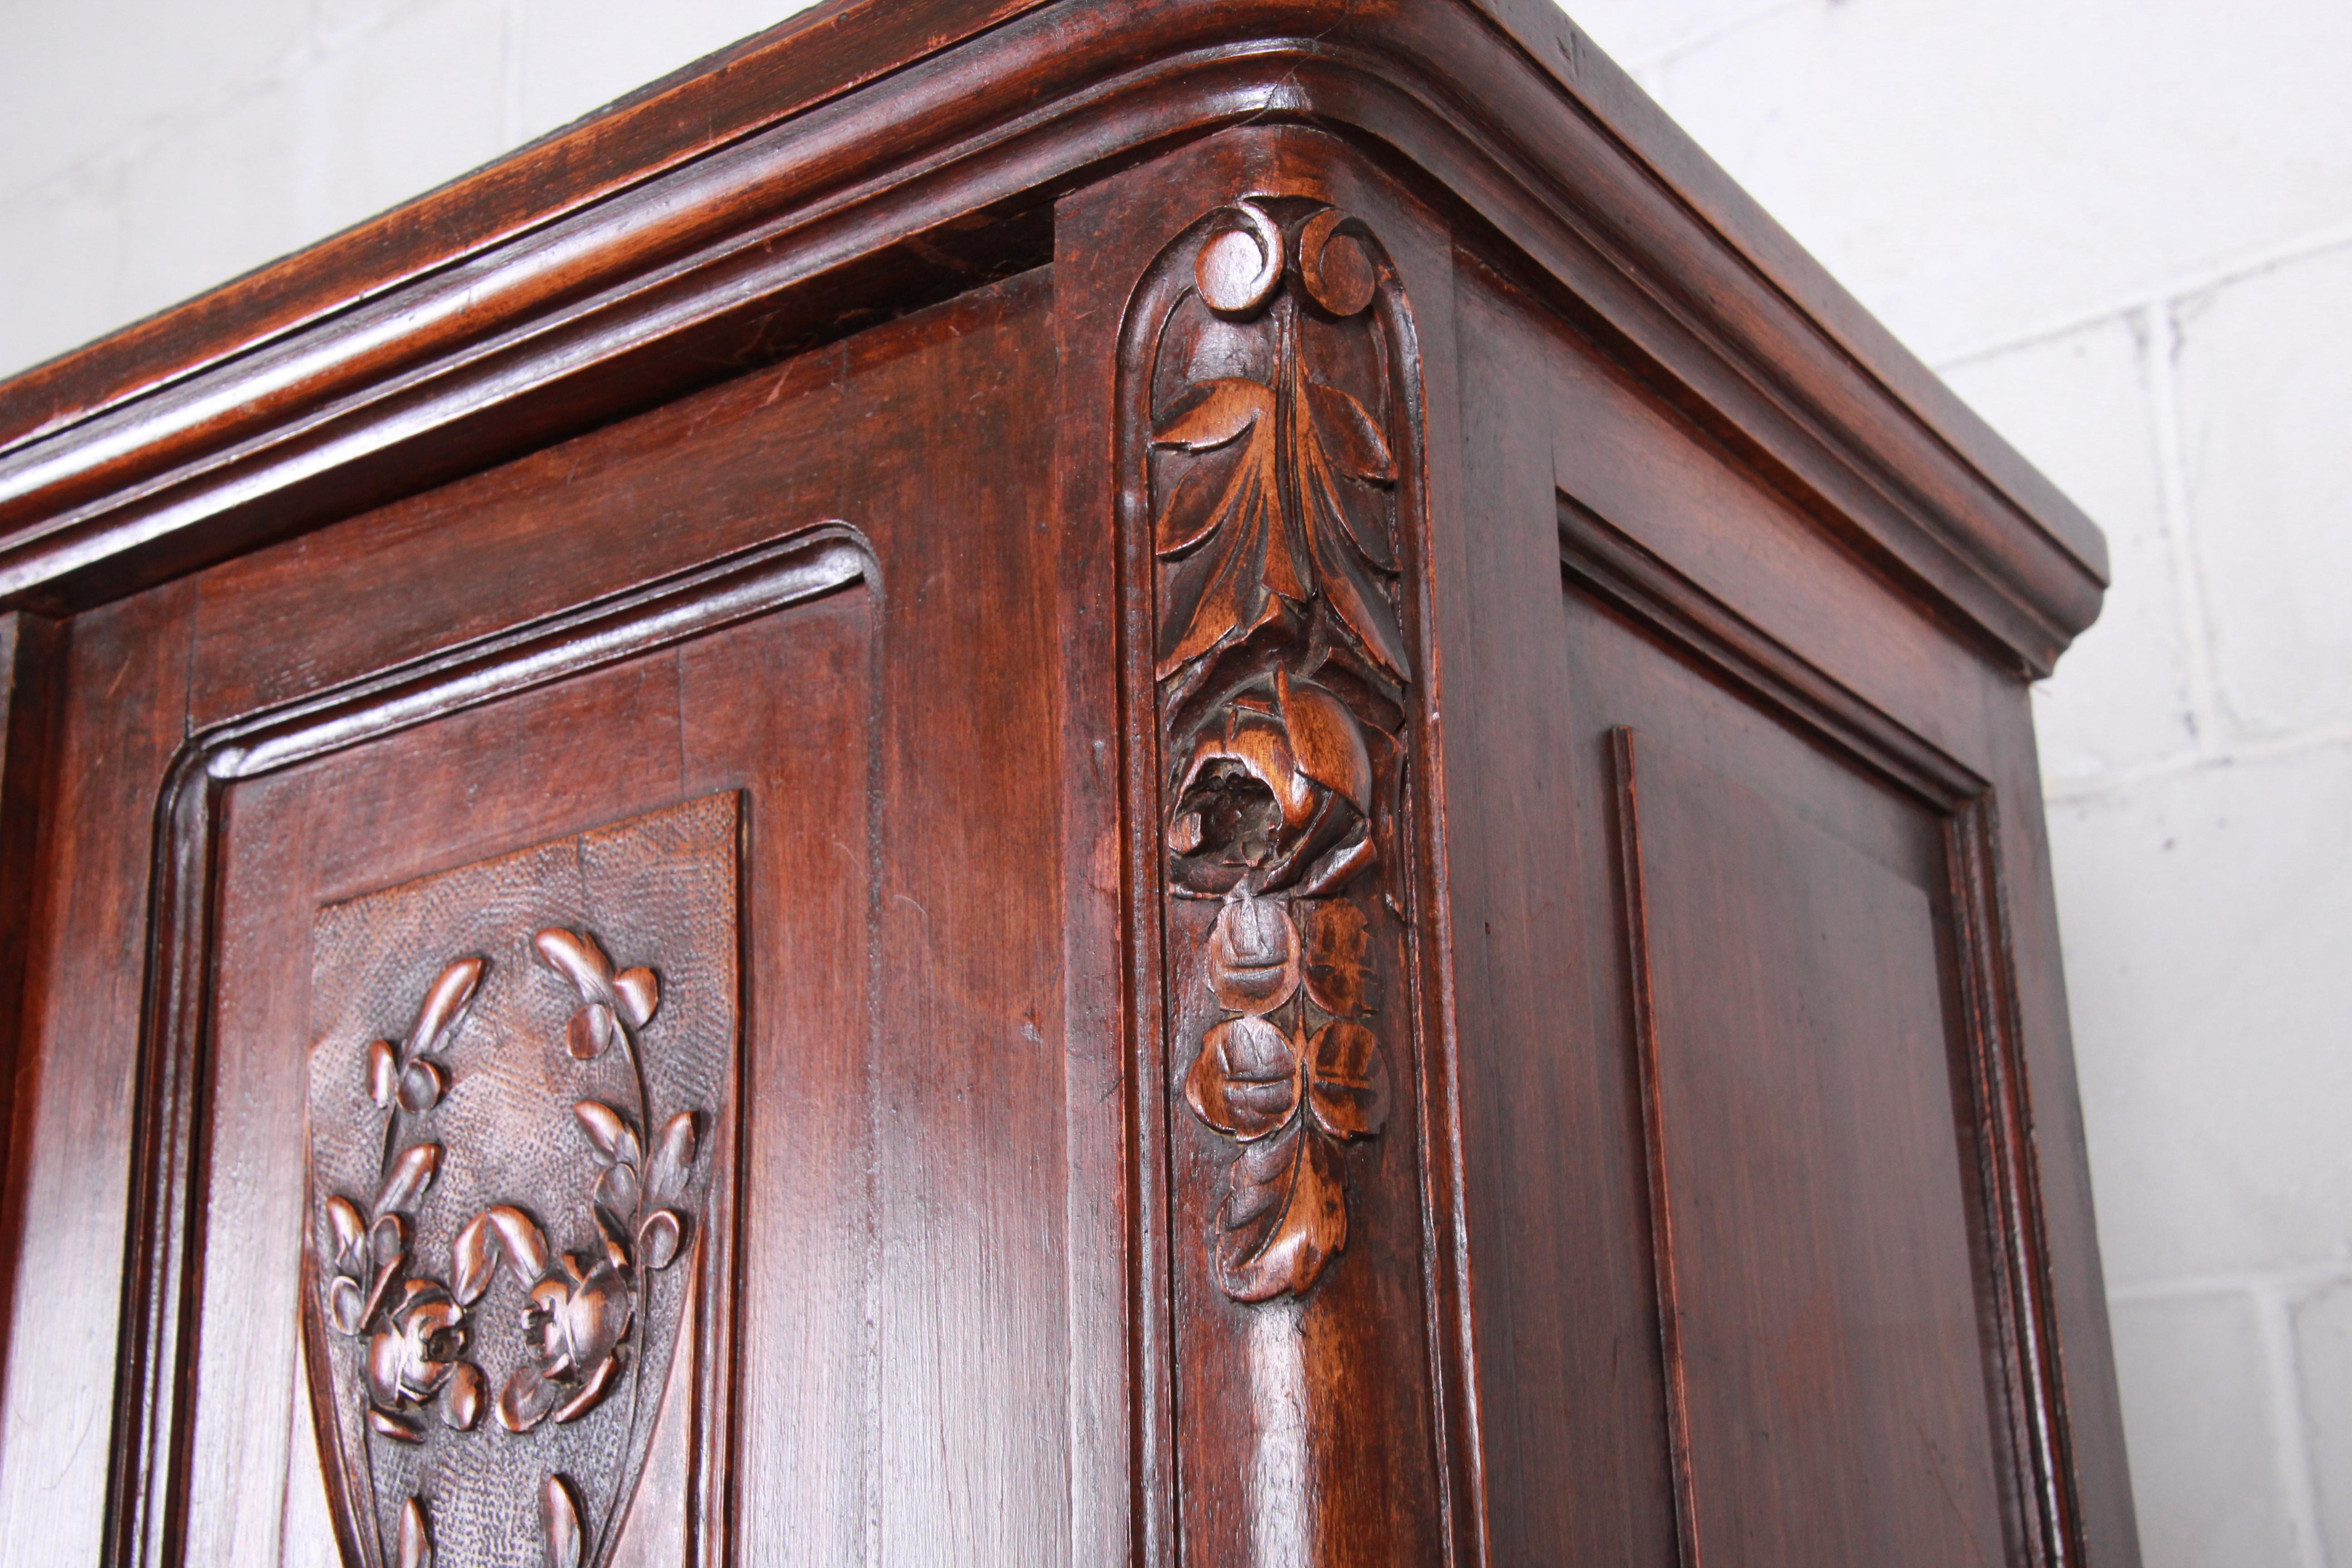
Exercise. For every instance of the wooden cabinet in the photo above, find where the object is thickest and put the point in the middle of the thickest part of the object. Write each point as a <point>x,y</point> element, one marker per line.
<point>1026,782</point>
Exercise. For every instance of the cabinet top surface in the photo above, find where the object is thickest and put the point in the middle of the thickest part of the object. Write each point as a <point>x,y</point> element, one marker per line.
<point>783,139</point>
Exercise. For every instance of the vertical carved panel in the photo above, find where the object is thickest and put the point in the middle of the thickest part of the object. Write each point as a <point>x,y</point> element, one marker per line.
<point>520,1078</point>
<point>1282,672</point>
<point>1274,434</point>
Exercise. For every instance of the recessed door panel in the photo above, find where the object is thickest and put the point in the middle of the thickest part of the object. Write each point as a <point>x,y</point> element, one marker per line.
<point>526,1236</point>
<point>1822,1341</point>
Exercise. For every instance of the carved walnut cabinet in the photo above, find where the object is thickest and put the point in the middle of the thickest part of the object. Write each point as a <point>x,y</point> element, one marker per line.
<point>1042,782</point>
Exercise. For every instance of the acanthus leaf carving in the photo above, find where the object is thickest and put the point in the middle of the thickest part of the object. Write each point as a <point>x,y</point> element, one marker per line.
<point>1274,423</point>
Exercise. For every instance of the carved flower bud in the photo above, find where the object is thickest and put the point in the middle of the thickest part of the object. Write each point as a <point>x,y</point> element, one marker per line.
<point>410,1356</point>
<point>423,1082</point>
<point>1245,1082</point>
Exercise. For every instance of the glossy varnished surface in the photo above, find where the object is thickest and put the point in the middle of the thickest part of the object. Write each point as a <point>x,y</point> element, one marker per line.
<point>1388,894</point>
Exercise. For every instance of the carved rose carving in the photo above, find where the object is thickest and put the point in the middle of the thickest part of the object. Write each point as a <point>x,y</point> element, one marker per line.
<point>1282,670</point>
<point>415,1347</point>
<point>579,1307</point>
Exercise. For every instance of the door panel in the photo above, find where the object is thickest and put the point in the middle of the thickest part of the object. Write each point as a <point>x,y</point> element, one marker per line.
<point>540,800</point>
<point>872,1319</point>
<point>1806,939</point>
<point>1823,1348</point>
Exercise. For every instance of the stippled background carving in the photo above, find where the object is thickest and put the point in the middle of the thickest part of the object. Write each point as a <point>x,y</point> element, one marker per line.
<point>657,892</point>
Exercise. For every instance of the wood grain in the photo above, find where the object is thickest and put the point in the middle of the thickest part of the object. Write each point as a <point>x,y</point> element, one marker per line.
<point>1044,461</point>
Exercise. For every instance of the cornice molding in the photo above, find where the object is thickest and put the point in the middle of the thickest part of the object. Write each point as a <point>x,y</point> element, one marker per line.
<point>262,408</point>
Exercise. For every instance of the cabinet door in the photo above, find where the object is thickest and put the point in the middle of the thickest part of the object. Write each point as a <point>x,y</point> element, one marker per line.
<point>593,1095</point>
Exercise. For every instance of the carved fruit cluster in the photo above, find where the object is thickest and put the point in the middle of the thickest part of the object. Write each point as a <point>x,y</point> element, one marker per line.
<point>1281,665</point>
<point>579,1307</point>
<point>1292,1075</point>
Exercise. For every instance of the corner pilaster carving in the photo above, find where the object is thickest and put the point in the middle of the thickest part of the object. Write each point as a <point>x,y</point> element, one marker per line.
<point>1277,412</point>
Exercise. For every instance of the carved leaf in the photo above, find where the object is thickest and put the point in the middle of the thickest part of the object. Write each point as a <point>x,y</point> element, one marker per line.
<point>1325,740</point>
<point>388,1240</point>
<point>399,1428</point>
<point>1245,1081</point>
<point>345,1225</point>
<point>1347,1080</point>
<point>639,994</point>
<point>1252,955</point>
<point>415,1541</point>
<point>1337,939</point>
<point>385,1277</point>
<point>423,1082</point>
<point>383,1073</point>
<point>591,1032</point>
<point>346,1304</point>
<point>1223,591</point>
<point>498,1234</point>
<point>462,1401</point>
<point>608,1131</point>
<point>412,1173</point>
<point>1195,504</point>
<point>1346,529</point>
<point>592,1393</point>
<point>1284,1215</point>
<point>1353,440</point>
<point>1335,869</point>
<point>452,989</point>
<point>576,957</point>
<point>673,1157</point>
<point>657,1238</point>
<point>529,1395</point>
<point>616,1189</point>
<point>559,1518</point>
<point>1214,413</point>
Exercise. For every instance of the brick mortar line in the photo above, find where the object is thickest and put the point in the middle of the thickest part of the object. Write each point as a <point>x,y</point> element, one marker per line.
<point>2171,291</point>
<point>2208,713</point>
<point>2072,788</point>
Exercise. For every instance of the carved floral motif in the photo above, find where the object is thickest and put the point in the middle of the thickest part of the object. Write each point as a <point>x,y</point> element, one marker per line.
<point>1282,671</point>
<point>577,1307</point>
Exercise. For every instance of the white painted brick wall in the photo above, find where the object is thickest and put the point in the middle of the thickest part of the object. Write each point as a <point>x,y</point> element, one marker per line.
<point>150,149</point>
<point>2122,228</point>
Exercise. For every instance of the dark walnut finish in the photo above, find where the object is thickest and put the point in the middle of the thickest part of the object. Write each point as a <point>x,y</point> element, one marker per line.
<point>468,1260</point>
<point>1042,783</point>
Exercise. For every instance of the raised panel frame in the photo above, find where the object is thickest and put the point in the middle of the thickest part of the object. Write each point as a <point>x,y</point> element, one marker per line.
<point>162,1265</point>
<point>2031,1420</point>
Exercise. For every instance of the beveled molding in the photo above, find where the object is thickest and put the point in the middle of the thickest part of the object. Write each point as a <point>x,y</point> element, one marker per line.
<point>661,258</point>
<point>2029,1407</point>
<point>164,1253</point>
